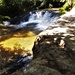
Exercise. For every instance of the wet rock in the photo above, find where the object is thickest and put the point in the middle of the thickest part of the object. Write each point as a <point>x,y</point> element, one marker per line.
<point>54,49</point>
<point>40,69</point>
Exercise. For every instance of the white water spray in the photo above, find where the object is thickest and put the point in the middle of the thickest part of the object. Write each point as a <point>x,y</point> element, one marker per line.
<point>40,20</point>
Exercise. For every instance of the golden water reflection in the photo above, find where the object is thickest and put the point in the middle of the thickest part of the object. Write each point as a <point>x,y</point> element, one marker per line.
<point>22,39</point>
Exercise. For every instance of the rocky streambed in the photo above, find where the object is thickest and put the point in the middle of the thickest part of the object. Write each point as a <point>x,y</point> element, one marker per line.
<point>54,48</point>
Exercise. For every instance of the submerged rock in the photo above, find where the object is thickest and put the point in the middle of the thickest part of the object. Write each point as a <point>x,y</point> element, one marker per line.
<point>54,49</point>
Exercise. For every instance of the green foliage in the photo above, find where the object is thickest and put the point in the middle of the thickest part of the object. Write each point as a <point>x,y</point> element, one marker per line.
<point>64,8</point>
<point>3,18</point>
<point>67,6</point>
<point>1,2</point>
<point>16,7</point>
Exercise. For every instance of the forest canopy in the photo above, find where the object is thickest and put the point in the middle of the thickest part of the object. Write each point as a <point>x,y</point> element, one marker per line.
<point>12,8</point>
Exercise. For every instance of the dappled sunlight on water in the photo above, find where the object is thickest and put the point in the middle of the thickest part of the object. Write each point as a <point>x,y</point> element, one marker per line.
<point>29,26</point>
<point>24,40</point>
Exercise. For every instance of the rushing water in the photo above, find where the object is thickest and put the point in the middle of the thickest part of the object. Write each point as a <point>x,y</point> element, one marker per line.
<point>39,20</point>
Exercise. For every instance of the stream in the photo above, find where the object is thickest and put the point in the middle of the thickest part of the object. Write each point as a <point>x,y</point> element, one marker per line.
<point>38,21</point>
<point>35,20</point>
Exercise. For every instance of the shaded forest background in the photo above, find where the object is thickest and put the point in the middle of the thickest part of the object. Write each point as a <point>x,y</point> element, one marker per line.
<point>12,8</point>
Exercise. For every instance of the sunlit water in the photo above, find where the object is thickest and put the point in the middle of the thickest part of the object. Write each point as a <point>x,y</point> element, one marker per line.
<point>39,20</point>
<point>33,21</point>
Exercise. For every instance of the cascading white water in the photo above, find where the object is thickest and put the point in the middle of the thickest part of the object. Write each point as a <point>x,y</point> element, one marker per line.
<point>40,20</point>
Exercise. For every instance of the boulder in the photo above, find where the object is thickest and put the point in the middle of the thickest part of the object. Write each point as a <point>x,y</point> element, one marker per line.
<point>54,49</point>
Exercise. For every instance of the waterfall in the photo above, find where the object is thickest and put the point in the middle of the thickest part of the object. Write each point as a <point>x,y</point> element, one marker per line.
<point>39,20</point>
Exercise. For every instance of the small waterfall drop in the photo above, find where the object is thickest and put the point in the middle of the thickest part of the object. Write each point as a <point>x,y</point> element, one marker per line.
<point>39,20</point>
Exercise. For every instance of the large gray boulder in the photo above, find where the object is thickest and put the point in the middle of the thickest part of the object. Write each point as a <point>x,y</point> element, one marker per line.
<point>54,48</point>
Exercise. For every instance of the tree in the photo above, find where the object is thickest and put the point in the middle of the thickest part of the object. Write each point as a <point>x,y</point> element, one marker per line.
<point>13,8</point>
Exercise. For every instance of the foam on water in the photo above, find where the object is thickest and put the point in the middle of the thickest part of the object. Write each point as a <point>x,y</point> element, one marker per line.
<point>40,19</point>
